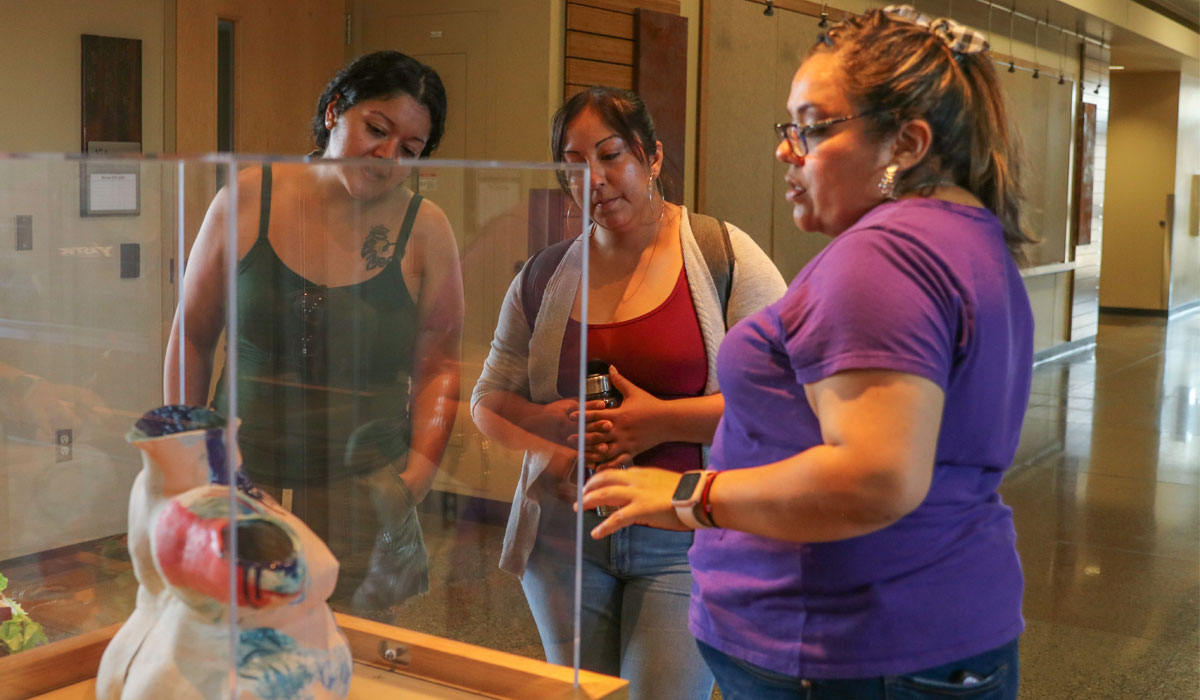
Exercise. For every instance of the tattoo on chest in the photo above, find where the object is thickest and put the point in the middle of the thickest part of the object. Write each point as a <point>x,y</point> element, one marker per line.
<point>377,250</point>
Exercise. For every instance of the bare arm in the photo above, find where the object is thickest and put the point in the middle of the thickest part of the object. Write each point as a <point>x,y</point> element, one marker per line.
<point>437,351</point>
<point>203,309</point>
<point>880,433</point>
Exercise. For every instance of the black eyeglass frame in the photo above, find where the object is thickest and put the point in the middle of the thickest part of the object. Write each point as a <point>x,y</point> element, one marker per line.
<point>799,142</point>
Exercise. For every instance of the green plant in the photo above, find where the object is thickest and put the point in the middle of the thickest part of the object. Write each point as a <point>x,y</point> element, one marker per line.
<point>20,632</point>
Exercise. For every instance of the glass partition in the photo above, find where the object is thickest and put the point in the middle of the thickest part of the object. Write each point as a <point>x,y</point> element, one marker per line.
<point>376,371</point>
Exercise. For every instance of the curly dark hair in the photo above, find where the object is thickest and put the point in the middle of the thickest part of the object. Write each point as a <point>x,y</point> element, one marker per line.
<point>384,74</point>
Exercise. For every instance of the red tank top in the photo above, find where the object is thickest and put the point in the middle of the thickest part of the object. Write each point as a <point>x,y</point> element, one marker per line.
<point>661,351</point>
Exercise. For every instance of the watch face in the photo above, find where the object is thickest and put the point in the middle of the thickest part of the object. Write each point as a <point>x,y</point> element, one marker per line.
<point>687,486</point>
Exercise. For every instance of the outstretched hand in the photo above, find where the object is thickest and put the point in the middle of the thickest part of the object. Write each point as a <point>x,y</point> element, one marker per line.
<point>642,494</point>
<point>614,436</point>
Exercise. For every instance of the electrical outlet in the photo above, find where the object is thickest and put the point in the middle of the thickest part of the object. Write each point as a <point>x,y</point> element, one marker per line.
<point>64,443</point>
<point>24,232</point>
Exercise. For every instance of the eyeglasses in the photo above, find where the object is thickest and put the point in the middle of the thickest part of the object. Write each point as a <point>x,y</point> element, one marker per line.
<point>797,134</point>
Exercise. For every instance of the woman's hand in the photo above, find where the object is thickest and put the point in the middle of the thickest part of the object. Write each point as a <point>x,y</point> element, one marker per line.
<point>614,436</point>
<point>642,494</point>
<point>558,421</point>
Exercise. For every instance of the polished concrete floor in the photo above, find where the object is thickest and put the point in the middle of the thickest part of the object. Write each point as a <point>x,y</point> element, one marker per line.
<point>1106,495</point>
<point>1105,490</point>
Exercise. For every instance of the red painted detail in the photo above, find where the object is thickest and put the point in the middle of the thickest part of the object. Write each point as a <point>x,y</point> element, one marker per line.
<point>191,554</point>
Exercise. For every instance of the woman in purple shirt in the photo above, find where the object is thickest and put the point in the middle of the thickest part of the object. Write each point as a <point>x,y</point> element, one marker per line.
<point>851,543</point>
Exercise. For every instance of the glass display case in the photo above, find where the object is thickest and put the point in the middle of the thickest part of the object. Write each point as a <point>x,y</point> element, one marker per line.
<point>336,317</point>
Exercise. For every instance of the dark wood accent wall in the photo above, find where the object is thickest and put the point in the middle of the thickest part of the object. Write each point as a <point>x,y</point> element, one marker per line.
<point>111,82</point>
<point>660,74</point>
<point>1085,158</point>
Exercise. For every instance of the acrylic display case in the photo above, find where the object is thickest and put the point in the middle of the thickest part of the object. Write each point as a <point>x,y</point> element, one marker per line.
<point>346,366</point>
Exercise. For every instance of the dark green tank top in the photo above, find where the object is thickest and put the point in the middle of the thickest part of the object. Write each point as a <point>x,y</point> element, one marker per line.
<point>323,388</point>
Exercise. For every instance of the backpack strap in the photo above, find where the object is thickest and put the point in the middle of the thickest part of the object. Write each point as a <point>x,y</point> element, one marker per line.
<point>713,238</point>
<point>537,272</point>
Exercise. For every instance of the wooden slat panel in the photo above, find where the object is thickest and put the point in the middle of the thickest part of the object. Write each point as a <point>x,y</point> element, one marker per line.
<point>628,6</point>
<point>581,72</point>
<point>571,89</point>
<point>590,19</point>
<point>599,48</point>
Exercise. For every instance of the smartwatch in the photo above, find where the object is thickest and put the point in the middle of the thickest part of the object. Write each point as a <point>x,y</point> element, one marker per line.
<point>687,494</point>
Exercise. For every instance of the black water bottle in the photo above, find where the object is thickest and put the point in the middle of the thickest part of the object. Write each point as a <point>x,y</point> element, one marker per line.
<point>599,387</point>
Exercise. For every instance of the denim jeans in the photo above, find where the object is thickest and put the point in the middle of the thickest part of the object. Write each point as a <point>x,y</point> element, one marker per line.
<point>992,675</point>
<point>636,589</point>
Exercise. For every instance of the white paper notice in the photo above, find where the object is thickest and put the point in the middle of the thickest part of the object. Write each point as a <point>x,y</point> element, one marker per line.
<point>113,192</point>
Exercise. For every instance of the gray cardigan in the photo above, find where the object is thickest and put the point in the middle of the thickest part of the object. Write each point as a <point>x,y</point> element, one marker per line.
<point>526,363</point>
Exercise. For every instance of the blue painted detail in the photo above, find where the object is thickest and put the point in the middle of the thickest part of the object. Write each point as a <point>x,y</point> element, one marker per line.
<point>214,443</point>
<point>277,668</point>
<point>170,420</point>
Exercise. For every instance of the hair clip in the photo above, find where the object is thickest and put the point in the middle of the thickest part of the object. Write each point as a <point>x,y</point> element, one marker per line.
<point>960,38</point>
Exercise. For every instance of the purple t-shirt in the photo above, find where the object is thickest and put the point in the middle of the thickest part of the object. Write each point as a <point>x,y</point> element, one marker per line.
<point>920,286</point>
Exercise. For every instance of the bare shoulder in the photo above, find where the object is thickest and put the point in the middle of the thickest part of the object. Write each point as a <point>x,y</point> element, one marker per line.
<point>432,221</point>
<point>432,233</point>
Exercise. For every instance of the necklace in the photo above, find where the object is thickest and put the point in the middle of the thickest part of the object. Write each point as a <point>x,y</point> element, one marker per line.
<point>633,290</point>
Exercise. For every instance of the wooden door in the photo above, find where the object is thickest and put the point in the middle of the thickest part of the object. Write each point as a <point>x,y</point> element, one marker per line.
<point>285,51</point>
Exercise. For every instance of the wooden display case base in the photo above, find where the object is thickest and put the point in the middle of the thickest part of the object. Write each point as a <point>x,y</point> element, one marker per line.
<point>425,667</point>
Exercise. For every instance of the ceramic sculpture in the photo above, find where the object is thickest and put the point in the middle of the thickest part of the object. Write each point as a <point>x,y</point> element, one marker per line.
<point>179,643</point>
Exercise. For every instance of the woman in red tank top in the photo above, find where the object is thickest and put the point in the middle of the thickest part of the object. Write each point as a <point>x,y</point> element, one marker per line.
<point>654,318</point>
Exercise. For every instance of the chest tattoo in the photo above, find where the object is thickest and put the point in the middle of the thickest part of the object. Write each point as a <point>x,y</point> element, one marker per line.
<point>377,250</point>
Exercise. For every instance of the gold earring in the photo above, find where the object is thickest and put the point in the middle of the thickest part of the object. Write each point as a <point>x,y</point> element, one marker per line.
<point>887,183</point>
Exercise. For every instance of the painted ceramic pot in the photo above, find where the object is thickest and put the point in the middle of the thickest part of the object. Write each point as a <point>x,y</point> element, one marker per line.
<point>203,610</point>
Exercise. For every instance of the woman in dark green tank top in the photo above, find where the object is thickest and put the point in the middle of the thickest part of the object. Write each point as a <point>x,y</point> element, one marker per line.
<point>350,314</point>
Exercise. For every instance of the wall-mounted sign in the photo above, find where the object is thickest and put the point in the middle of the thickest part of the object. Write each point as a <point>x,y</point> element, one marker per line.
<point>110,187</point>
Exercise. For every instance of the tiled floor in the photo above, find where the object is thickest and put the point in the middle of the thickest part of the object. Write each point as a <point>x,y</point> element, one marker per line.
<point>1105,490</point>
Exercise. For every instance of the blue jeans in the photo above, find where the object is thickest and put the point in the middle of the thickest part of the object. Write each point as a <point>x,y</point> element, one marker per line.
<point>992,675</point>
<point>636,588</point>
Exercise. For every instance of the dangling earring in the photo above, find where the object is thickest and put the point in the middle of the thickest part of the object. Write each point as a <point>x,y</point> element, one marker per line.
<point>887,183</point>
<point>650,189</point>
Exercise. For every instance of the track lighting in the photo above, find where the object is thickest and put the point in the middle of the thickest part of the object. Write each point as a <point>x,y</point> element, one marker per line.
<point>824,16</point>
<point>770,11</point>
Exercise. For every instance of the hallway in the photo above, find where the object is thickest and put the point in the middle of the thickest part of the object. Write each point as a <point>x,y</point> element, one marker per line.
<point>1106,495</point>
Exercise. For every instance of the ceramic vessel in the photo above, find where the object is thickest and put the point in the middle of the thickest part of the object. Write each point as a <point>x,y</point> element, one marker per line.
<point>191,627</point>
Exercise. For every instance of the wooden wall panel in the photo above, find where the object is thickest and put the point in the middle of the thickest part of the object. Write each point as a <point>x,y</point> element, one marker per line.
<point>111,86</point>
<point>599,48</point>
<point>597,21</point>
<point>581,72</point>
<point>628,6</point>
<point>1085,158</point>
<point>740,45</point>
<point>1056,205</point>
